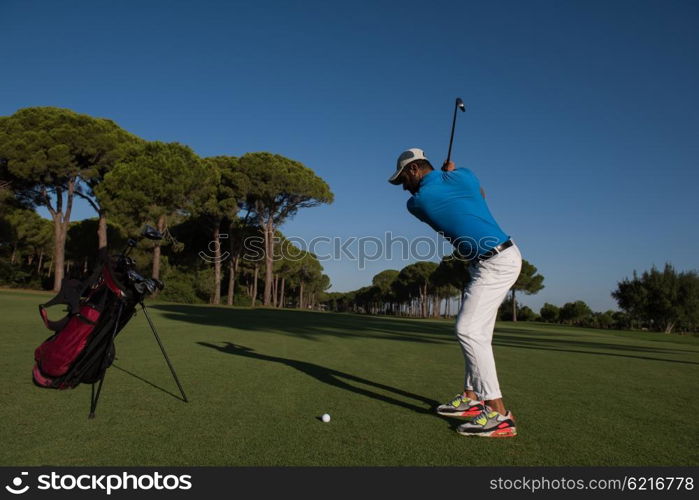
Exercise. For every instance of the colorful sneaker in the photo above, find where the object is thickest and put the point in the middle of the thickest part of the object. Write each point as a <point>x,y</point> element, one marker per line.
<point>489,424</point>
<point>461,406</point>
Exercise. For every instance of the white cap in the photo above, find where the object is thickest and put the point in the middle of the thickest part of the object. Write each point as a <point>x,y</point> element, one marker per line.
<point>405,158</point>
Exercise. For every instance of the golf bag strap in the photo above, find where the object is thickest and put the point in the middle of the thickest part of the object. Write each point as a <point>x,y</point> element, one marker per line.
<point>55,326</point>
<point>70,294</point>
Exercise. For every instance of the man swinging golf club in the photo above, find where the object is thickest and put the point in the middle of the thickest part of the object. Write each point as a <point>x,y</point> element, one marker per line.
<point>452,202</point>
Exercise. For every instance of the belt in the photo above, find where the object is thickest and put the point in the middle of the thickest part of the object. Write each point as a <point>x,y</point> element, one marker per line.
<point>496,250</point>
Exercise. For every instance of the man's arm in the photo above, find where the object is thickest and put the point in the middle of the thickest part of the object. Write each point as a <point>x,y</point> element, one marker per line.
<point>450,165</point>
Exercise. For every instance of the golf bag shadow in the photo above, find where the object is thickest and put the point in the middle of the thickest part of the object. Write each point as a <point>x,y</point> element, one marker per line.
<point>82,346</point>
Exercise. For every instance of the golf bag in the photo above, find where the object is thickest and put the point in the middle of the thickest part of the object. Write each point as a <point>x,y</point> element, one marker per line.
<point>82,346</point>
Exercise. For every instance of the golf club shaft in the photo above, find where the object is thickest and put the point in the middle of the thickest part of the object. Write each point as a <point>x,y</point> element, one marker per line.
<point>451,139</point>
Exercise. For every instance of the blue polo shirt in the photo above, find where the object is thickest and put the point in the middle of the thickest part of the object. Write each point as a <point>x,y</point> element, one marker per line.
<point>452,204</point>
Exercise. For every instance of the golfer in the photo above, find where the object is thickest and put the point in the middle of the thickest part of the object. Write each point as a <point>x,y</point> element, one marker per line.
<point>452,202</point>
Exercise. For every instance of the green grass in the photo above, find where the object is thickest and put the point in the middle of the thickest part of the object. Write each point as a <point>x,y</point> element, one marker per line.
<point>258,380</point>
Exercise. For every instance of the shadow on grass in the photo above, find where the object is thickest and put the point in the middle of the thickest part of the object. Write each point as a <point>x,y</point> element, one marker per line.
<point>335,378</point>
<point>312,325</point>
<point>123,370</point>
<point>551,344</point>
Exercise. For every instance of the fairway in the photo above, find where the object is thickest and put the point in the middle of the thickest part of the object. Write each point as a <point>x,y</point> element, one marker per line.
<point>258,381</point>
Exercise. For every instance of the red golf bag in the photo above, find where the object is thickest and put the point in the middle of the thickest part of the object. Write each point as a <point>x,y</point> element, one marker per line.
<point>82,346</point>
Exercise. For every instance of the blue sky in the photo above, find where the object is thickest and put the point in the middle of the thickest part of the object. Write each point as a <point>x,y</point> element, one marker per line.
<point>582,120</point>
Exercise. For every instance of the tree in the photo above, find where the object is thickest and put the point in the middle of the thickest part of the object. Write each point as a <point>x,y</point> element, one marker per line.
<point>239,230</point>
<point>689,304</point>
<point>664,298</point>
<point>525,313</point>
<point>603,320</point>
<point>279,187</point>
<point>155,181</point>
<point>413,282</point>
<point>575,313</point>
<point>226,189</point>
<point>383,281</point>
<point>50,155</point>
<point>81,245</point>
<point>550,313</point>
<point>528,282</point>
<point>289,263</point>
<point>308,272</point>
<point>450,278</point>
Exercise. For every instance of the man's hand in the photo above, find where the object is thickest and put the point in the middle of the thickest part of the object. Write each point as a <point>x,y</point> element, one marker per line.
<point>449,166</point>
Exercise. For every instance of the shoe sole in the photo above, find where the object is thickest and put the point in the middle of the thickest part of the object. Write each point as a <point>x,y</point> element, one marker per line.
<point>497,433</point>
<point>460,414</point>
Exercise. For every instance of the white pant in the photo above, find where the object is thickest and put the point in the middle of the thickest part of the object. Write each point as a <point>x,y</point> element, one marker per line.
<point>490,281</point>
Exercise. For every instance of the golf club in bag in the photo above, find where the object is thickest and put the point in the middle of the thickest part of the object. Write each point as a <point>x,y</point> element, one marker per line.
<point>459,105</point>
<point>82,346</point>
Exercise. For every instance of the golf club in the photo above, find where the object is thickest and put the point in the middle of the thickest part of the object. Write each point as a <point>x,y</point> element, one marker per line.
<point>459,105</point>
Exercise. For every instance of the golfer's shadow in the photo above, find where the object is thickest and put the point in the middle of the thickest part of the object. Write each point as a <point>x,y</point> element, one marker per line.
<point>335,378</point>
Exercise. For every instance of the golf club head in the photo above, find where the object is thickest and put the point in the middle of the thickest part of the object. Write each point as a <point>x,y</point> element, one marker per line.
<point>460,104</point>
<point>151,233</point>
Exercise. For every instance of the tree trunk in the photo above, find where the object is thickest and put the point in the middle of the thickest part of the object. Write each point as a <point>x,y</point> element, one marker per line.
<point>232,268</point>
<point>155,272</point>
<point>269,258</point>
<point>301,295</point>
<point>425,294</point>
<point>281,293</point>
<point>61,220</point>
<point>216,296</point>
<point>669,326</point>
<point>59,254</point>
<point>102,231</point>
<point>41,261</point>
<point>156,249</point>
<point>254,285</point>
<point>275,285</point>
<point>14,253</point>
<point>48,273</point>
<point>514,306</point>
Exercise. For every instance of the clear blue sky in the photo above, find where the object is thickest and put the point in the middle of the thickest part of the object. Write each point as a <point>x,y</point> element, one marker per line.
<point>582,119</point>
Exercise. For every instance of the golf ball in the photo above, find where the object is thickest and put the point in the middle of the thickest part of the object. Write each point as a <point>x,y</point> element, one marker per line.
<point>325,418</point>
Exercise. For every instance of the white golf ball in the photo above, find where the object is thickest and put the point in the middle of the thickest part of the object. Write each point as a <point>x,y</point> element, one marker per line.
<point>325,418</point>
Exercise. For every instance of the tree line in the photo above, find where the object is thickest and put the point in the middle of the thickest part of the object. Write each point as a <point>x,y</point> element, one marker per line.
<point>425,290</point>
<point>656,300</point>
<point>51,156</point>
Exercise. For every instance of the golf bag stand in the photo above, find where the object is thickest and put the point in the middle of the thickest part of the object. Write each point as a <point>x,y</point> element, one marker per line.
<point>94,398</point>
<point>162,349</point>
